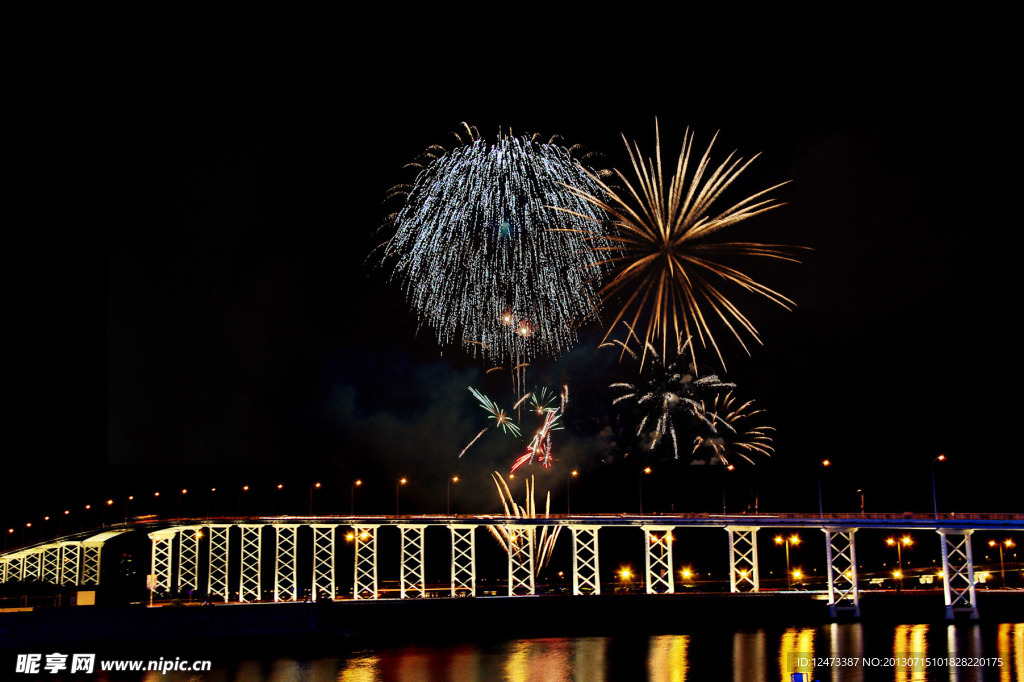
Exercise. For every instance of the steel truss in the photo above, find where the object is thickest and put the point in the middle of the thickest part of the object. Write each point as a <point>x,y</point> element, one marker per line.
<point>323,561</point>
<point>843,594</point>
<point>16,568</point>
<point>743,571</point>
<point>463,560</point>
<point>10,568</point>
<point>220,550</point>
<point>70,562</point>
<point>50,564</point>
<point>286,577</point>
<point>91,555</point>
<point>250,566</point>
<point>958,572</point>
<point>366,562</point>
<point>163,541</point>
<point>188,558</point>
<point>586,574</point>
<point>658,559</point>
<point>520,561</point>
<point>413,579</point>
<point>31,565</point>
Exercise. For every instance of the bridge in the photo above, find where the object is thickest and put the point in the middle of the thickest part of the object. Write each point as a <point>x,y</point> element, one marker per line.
<point>236,547</point>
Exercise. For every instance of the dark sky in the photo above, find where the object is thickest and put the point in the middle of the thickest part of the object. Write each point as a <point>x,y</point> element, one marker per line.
<point>249,341</point>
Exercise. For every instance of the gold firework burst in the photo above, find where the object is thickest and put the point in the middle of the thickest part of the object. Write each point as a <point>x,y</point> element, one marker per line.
<point>664,255</point>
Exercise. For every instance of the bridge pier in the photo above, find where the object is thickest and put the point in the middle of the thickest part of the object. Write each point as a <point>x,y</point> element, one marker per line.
<point>250,566</point>
<point>412,579</point>
<point>188,557</point>
<point>463,559</point>
<point>843,593</point>
<point>70,562</point>
<point>958,572</point>
<point>220,546</point>
<point>286,579</point>
<point>161,557</point>
<point>32,565</point>
<point>743,567</point>
<point>366,562</point>
<point>520,560</point>
<point>585,565</point>
<point>323,560</point>
<point>658,559</point>
<point>49,571</point>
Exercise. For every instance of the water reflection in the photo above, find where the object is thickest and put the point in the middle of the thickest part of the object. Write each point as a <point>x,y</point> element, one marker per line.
<point>1010,647</point>
<point>910,645</point>
<point>749,660</point>
<point>846,641</point>
<point>667,659</point>
<point>708,653</point>
<point>796,652</point>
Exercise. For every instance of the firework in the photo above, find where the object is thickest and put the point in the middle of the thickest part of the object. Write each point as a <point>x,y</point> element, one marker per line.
<point>542,403</point>
<point>665,250</point>
<point>735,435</point>
<point>488,245</point>
<point>502,421</point>
<point>542,546</point>
<point>672,391</point>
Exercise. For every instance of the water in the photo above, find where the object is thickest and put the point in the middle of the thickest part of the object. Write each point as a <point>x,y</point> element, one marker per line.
<point>986,651</point>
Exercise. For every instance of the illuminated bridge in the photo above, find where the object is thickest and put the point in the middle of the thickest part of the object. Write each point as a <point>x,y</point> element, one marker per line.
<point>232,553</point>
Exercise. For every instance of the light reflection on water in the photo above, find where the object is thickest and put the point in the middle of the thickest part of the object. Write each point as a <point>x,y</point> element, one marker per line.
<point>704,654</point>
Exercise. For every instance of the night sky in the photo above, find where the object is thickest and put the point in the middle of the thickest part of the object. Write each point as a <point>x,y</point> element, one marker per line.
<point>249,340</point>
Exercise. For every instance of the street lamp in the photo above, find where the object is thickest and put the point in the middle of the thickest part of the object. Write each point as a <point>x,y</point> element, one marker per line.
<point>453,479</point>
<point>311,488</point>
<point>640,482</point>
<point>238,509</point>
<point>208,496</point>
<point>791,540</point>
<point>177,512</point>
<point>1002,567</point>
<point>824,465</point>
<point>273,498</point>
<point>935,500</point>
<point>130,498</point>
<point>103,512</point>
<point>568,489</point>
<point>398,486</point>
<point>907,541</point>
<point>352,497</point>
<point>861,492</point>
<point>724,471</point>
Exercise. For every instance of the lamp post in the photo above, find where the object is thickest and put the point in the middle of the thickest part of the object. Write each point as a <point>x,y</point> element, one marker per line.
<point>103,512</point>
<point>208,496</point>
<point>824,465</point>
<point>792,539</point>
<point>935,499</point>
<point>273,498</point>
<point>398,486</point>
<point>130,498</point>
<point>453,479</point>
<point>640,483</point>
<point>243,489</point>
<point>568,489</point>
<point>352,497</point>
<point>907,541</point>
<point>177,508</point>
<point>311,489</point>
<point>1002,566</point>
<point>725,470</point>
<point>861,493</point>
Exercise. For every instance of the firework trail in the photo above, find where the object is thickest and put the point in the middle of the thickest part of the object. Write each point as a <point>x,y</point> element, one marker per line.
<point>476,249</point>
<point>544,545</point>
<point>542,403</point>
<point>735,437</point>
<point>502,421</point>
<point>671,391</point>
<point>664,249</point>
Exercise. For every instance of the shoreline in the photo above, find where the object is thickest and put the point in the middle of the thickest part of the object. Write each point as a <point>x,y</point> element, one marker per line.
<point>467,617</point>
